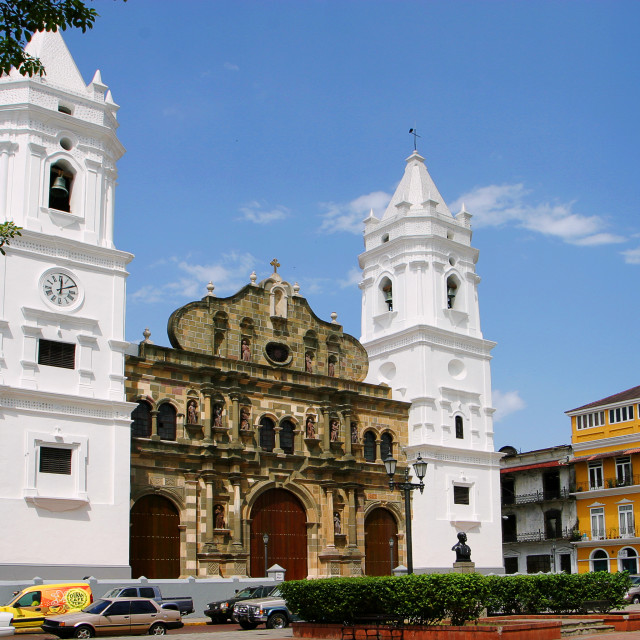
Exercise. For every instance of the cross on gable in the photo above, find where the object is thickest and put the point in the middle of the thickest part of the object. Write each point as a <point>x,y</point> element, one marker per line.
<point>275,264</point>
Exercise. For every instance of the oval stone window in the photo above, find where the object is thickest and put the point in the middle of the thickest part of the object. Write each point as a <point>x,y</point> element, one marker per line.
<point>277,352</point>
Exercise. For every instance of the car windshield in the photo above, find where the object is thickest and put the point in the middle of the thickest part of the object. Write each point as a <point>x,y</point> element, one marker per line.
<point>245,593</point>
<point>275,594</point>
<point>113,593</point>
<point>635,580</point>
<point>97,607</point>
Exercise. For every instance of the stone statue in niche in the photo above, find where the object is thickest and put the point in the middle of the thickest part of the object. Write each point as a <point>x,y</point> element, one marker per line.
<point>217,415</point>
<point>218,514</point>
<point>310,427</point>
<point>462,549</point>
<point>192,412</point>
<point>331,369</point>
<point>334,430</point>
<point>354,433</point>
<point>308,362</point>
<point>246,350</point>
<point>337,524</point>
<point>244,418</point>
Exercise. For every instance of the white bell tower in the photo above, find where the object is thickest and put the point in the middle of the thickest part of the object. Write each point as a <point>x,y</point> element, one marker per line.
<point>421,329</point>
<point>64,424</point>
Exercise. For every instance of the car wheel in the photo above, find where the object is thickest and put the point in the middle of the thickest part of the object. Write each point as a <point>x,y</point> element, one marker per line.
<point>157,629</point>
<point>247,626</point>
<point>83,631</point>
<point>636,599</point>
<point>277,621</point>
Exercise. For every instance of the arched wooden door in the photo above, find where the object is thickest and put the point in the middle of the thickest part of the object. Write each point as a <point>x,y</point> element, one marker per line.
<point>379,556</point>
<point>154,549</point>
<point>279,514</point>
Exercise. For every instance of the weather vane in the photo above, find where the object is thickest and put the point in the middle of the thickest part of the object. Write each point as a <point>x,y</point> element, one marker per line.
<point>414,133</point>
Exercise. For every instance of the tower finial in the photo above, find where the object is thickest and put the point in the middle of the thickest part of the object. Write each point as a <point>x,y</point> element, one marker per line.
<point>414,133</point>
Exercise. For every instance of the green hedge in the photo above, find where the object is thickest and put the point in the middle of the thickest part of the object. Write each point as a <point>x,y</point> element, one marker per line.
<point>430,598</point>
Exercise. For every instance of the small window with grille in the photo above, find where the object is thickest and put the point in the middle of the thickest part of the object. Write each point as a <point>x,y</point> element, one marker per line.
<point>56,354</point>
<point>460,495</point>
<point>55,460</point>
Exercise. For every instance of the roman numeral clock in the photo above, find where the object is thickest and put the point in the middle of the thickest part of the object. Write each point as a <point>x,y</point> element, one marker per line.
<point>60,288</point>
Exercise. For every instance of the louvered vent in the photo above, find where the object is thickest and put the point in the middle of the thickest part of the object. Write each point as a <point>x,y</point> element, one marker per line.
<point>56,354</point>
<point>55,460</point>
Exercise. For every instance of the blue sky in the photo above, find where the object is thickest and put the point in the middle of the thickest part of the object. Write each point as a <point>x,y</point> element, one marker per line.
<point>268,129</point>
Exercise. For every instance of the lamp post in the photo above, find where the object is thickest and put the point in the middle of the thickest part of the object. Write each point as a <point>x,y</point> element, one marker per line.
<point>265,539</point>
<point>420,469</point>
<point>391,542</point>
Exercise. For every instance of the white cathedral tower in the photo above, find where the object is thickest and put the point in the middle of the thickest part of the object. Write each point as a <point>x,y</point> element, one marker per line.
<point>421,329</point>
<point>64,424</point>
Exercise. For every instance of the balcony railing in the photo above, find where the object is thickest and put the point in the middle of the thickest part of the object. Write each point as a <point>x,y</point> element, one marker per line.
<point>588,535</point>
<point>607,483</point>
<point>541,536</point>
<point>531,498</point>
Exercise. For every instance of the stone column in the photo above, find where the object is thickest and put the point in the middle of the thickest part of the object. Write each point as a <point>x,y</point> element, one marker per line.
<point>326,431</point>
<point>353,521</point>
<point>346,421</point>
<point>154,425</point>
<point>236,530</point>
<point>208,414</point>
<point>235,417</point>
<point>331,535</point>
<point>191,520</point>
<point>277,448</point>
<point>209,480</point>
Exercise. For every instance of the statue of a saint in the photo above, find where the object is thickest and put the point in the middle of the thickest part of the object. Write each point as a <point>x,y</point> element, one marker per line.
<point>334,430</point>
<point>337,524</point>
<point>244,418</point>
<point>192,415</point>
<point>217,416</point>
<point>331,369</point>
<point>354,433</point>
<point>218,513</point>
<point>246,351</point>
<point>308,362</point>
<point>310,427</point>
<point>462,549</point>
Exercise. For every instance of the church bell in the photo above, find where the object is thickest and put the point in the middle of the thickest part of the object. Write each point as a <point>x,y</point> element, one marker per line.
<point>59,188</point>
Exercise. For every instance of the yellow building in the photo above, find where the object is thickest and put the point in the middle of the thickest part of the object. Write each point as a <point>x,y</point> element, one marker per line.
<point>606,442</point>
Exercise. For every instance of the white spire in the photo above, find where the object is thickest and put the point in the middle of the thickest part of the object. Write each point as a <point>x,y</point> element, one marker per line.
<point>415,188</point>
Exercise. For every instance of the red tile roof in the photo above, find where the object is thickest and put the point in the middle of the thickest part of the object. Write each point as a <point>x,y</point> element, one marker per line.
<point>623,396</point>
<point>538,465</point>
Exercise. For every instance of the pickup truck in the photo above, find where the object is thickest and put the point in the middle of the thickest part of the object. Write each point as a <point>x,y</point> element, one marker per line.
<point>272,611</point>
<point>222,610</point>
<point>183,604</point>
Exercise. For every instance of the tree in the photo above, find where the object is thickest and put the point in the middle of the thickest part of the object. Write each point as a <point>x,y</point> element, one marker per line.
<point>20,19</point>
<point>8,230</point>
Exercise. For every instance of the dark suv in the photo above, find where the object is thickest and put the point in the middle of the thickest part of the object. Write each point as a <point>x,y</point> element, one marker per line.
<point>221,611</point>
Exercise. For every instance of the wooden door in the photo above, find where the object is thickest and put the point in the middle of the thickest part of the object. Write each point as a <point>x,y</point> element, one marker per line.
<point>155,538</point>
<point>379,527</point>
<point>279,514</point>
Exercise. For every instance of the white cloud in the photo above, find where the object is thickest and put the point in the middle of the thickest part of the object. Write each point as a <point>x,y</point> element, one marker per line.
<point>505,403</point>
<point>348,216</point>
<point>631,256</point>
<point>229,66</point>
<point>190,279</point>
<point>354,277</point>
<point>497,205</point>
<point>254,212</point>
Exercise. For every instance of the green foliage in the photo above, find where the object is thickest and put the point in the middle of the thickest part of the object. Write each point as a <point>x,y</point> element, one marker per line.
<point>20,19</point>
<point>8,230</point>
<point>429,599</point>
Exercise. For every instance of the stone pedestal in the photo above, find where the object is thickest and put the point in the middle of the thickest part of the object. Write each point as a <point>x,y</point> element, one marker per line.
<point>464,567</point>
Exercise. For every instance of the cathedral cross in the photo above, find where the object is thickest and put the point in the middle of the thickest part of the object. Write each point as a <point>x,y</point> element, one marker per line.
<point>275,264</point>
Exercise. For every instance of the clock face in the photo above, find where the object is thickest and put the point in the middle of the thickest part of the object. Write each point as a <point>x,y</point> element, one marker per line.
<point>60,289</point>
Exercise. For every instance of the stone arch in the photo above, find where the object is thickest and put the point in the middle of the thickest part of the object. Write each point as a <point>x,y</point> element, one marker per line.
<point>454,289</point>
<point>64,165</point>
<point>628,560</point>
<point>142,418</point>
<point>386,294</point>
<point>167,419</point>
<point>300,492</point>
<point>370,443</point>
<point>599,560</point>
<point>279,301</point>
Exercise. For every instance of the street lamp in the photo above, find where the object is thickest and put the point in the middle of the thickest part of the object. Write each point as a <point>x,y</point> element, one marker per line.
<point>420,469</point>
<point>391,542</point>
<point>265,539</point>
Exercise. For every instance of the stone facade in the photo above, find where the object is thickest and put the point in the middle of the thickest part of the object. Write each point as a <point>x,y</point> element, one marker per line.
<point>266,396</point>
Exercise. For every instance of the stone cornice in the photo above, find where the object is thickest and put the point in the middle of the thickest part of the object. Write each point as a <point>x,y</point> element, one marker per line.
<point>440,453</point>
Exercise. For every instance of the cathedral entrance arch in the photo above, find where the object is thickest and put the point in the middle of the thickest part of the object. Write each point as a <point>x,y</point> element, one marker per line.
<point>154,549</point>
<point>380,558</point>
<point>278,513</point>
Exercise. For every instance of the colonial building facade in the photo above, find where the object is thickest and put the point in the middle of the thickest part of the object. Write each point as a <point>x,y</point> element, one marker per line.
<point>64,424</point>
<point>256,442</point>
<point>421,330</point>
<point>539,519</point>
<point>606,442</point>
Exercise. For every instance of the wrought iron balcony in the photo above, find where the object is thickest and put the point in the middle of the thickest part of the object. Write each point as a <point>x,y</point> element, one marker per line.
<point>607,483</point>
<point>540,536</point>
<point>531,498</point>
<point>592,535</point>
